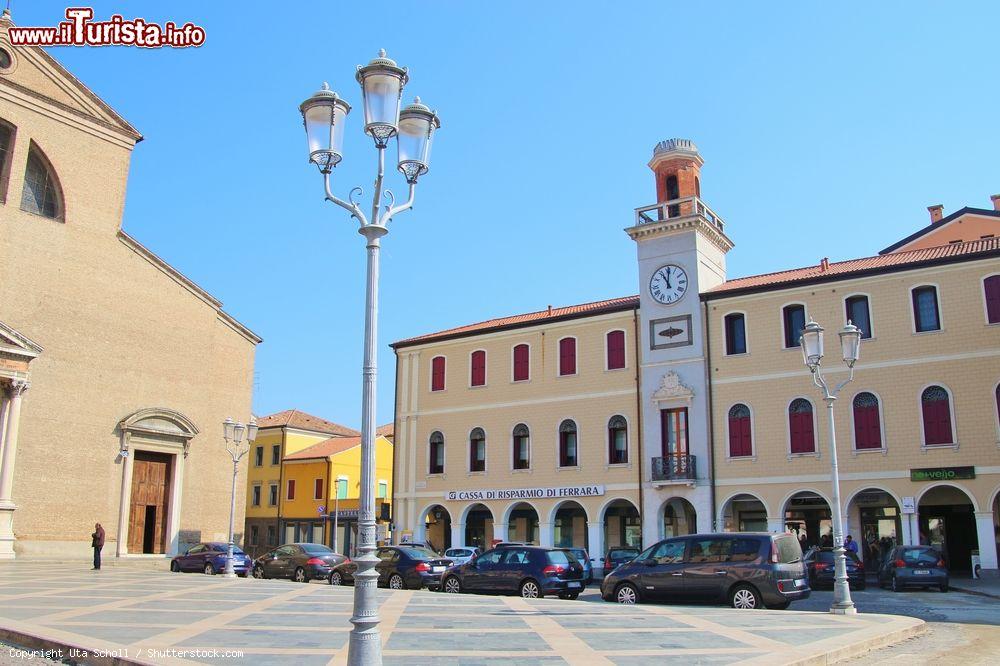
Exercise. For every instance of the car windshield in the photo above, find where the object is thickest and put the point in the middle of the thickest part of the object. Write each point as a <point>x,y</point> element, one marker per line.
<point>620,553</point>
<point>316,549</point>
<point>925,557</point>
<point>789,550</point>
<point>419,553</point>
<point>562,557</point>
<point>579,553</point>
<point>457,552</point>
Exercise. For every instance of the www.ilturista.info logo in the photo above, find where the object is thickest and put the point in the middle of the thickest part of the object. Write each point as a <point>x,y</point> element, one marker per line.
<point>80,30</point>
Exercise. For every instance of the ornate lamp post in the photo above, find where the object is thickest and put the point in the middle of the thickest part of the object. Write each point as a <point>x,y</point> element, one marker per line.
<point>232,432</point>
<point>324,115</point>
<point>812,354</point>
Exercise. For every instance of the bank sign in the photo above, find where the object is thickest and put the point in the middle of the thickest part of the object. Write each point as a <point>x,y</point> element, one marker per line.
<point>942,473</point>
<point>524,493</point>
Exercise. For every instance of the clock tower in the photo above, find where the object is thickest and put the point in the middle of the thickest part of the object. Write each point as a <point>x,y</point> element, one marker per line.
<point>681,247</point>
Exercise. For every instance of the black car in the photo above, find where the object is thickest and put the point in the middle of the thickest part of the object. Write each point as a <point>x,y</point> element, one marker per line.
<point>531,571</point>
<point>619,556</point>
<point>299,561</point>
<point>745,569</point>
<point>913,566</point>
<point>820,564</point>
<point>399,568</point>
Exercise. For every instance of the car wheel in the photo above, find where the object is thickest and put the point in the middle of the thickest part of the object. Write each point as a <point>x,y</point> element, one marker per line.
<point>452,585</point>
<point>175,567</point>
<point>396,582</point>
<point>335,578</point>
<point>209,569</point>
<point>627,594</point>
<point>569,596</point>
<point>943,587</point>
<point>300,575</point>
<point>745,597</point>
<point>529,590</point>
<point>258,572</point>
<point>894,583</point>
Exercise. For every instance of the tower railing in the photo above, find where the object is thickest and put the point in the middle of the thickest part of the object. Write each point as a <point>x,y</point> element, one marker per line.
<point>677,208</point>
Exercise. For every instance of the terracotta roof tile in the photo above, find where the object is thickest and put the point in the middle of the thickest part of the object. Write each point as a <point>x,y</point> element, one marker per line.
<point>327,447</point>
<point>515,321</point>
<point>294,418</point>
<point>842,269</point>
<point>387,430</point>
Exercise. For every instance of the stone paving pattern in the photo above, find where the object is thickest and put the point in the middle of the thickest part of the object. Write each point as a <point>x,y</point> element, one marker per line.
<point>276,622</point>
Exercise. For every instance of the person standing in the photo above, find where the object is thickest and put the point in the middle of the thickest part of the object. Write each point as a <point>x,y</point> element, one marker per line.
<point>97,542</point>
<point>851,545</point>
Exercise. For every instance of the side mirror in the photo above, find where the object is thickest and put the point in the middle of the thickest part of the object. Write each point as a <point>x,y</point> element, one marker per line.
<point>650,562</point>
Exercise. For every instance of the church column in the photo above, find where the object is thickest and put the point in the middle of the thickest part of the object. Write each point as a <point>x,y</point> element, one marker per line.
<point>7,506</point>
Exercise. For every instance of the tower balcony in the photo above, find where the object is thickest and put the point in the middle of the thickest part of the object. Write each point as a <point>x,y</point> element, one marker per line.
<point>677,209</point>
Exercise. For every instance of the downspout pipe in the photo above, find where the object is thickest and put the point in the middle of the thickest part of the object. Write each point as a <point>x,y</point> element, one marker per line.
<point>711,416</point>
<point>638,418</point>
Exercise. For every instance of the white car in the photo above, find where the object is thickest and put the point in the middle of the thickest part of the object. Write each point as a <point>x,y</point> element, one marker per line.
<point>461,555</point>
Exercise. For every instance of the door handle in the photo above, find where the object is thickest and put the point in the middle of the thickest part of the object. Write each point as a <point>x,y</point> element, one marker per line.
<point>721,573</point>
<point>678,573</point>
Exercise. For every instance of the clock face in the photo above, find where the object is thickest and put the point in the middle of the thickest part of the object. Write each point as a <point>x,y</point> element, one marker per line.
<point>668,284</point>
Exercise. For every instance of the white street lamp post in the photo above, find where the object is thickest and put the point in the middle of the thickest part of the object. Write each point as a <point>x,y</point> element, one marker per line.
<point>324,115</point>
<point>232,432</point>
<point>812,354</point>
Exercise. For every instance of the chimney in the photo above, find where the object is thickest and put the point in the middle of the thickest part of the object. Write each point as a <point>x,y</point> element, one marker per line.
<point>995,198</point>
<point>550,310</point>
<point>824,264</point>
<point>937,212</point>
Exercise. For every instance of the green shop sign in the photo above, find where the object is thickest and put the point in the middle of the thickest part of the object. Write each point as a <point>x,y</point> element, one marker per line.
<point>942,473</point>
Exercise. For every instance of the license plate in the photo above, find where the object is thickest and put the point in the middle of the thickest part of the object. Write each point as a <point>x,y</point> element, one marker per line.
<point>921,572</point>
<point>572,585</point>
<point>800,582</point>
<point>437,569</point>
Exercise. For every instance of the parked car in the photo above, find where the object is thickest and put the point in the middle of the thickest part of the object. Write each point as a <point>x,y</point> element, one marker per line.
<point>301,562</point>
<point>820,565</point>
<point>211,558</point>
<point>462,555</point>
<point>587,561</point>
<point>745,569</point>
<point>617,556</point>
<point>913,566</point>
<point>531,571</point>
<point>399,568</point>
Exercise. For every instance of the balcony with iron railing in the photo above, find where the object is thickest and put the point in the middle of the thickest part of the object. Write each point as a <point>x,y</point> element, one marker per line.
<point>676,209</point>
<point>676,467</point>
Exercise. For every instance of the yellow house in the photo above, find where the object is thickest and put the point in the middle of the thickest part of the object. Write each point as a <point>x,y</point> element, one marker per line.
<point>321,488</point>
<point>280,434</point>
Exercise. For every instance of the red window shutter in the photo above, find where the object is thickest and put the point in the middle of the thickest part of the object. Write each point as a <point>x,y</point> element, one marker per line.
<point>479,368</point>
<point>562,449</point>
<point>437,373</point>
<point>735,438</point>
<point>802,433</point>
<point>937,422</point>
<point>521,363</point>
<point>291,489</point>
<point>746,436</point>
<point>992,287</point>
<point>867,428</point>
<point>616,350</point>
<point>472,455</point>
<point>567,356</point>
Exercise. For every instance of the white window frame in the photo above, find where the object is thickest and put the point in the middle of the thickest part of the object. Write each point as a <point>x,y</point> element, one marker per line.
<point>951,409</point>
<point>444,445</point>
<point>606,359</point>
<point>871,315</point>
<point>486,376</point>
<point>520,381</point>
<point>430,375</point>
<point>881,423</point>
<point>913,310</point>
<point>788,430</point>
<point>510,460</point>
<point>576,423</point>
<point>753,432</point>
<point>576,351</point>
<point>486,457</point>
<point>746,334</point>
<point>607,442</point>
<point>781,323</point>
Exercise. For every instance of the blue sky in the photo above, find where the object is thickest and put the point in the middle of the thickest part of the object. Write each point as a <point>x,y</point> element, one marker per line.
<point>827,128</point>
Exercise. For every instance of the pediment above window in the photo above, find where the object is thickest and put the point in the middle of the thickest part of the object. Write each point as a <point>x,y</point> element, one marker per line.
<point>672,389</point>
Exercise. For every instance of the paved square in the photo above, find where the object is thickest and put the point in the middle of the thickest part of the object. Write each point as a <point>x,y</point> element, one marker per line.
<point>142,613</point>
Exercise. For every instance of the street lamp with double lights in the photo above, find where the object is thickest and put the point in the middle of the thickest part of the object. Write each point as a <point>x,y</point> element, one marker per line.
<point>232,432</point>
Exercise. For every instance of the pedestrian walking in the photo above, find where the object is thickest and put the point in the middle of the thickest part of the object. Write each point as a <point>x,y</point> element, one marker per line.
<point>97,542</point>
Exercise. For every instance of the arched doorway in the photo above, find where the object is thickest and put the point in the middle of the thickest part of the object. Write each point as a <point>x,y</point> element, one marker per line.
<point>807,513</point>
<point>679,518</point>
<point>569,526</point>
<point>522,523</point>
<point>947,521</point>
<point>876,515</point>
<point>437,528</point>
<point>478,526</point>
<point>743,512</point>
<point>621,525</point>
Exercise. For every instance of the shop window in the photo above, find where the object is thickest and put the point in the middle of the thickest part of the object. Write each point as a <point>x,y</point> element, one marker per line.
<point>740,437</point>
<point>477,450</point>
<point>436,450</point>
<point>935,405</point>
<point>568,444</point>
<point>437,373</point>
<point>522,439</point>
<point>926,315</point>
<point>617,440</point>
<point>567,356</point>
<point>478,368</point>
<point>736,333</point>
<point>859,314</point>
<point>41,194</point>
<point>800,425</point>
<point>522,355</point>
<point>991,289</point>
<point>867,425</point>
<point>616,350</point>
<point>794,319</point>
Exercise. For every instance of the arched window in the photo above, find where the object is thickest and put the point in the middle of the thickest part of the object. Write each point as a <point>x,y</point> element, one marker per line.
<point>800,425</point>
<point>867,425</point>
<point>522,360</point>
<point>673,192</point>
<point>567,444</point>
<point>617,440</point>
<point>522,438</point>
<point>437,373</point>
<point>567,356</point>
<point>478,368</point>
<point>41,194</point>
<point>616,350</point>
<point>935,406</point>
<point>477,450</point>
<point>740,437</point>
<point>6,152</point>
<point>436,453</point>
<point>991,290</point>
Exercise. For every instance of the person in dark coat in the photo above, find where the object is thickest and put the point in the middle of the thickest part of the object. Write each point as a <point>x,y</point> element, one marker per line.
<point>97,541</point>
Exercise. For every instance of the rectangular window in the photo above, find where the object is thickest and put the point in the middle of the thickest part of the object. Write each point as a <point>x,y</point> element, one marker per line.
<point>318,489</point>
<point>255,495</point>
<point>991,287</point>
<point>479,368</point>
<point>342,488</point>
<point>736,334</point>
<point>567,449</point>
<point>477,454</point>
<point>254,535</point>
<point>383,489</point>
<point>258,456</point>
<point>272,536</point>
<point>521,460</point>
<point>858,314</point>
<point>795,320</point>
<point>616,350</point>
<point>925,309</point>
<point>673,432</point>
<point>272,495</point>
<point>6,141</point>
<point>436,457</point>
<point>290,494</point>
<point>521,363</point>
<point>437,373</point>
<point>618,441</point>
<point>567,356</point>
<point>276,454</point>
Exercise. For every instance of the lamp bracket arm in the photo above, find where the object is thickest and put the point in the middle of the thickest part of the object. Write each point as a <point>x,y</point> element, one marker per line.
<point>399,209</point>
<point>850,378</point>
<point>351,207</point>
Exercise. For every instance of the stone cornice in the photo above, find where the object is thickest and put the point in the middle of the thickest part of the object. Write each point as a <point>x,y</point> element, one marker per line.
<point>688,222</point>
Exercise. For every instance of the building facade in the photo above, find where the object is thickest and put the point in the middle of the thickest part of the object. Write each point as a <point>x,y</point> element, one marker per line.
<point>507,429</point>
<point>125,408</point>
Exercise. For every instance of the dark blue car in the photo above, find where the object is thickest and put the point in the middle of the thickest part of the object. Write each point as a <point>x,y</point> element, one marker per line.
<point>529,571</point>
<point>210,558</point>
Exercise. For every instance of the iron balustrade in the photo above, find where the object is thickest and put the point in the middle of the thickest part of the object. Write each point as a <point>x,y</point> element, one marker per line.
<point>677,466</point>
<point>676,208</point>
